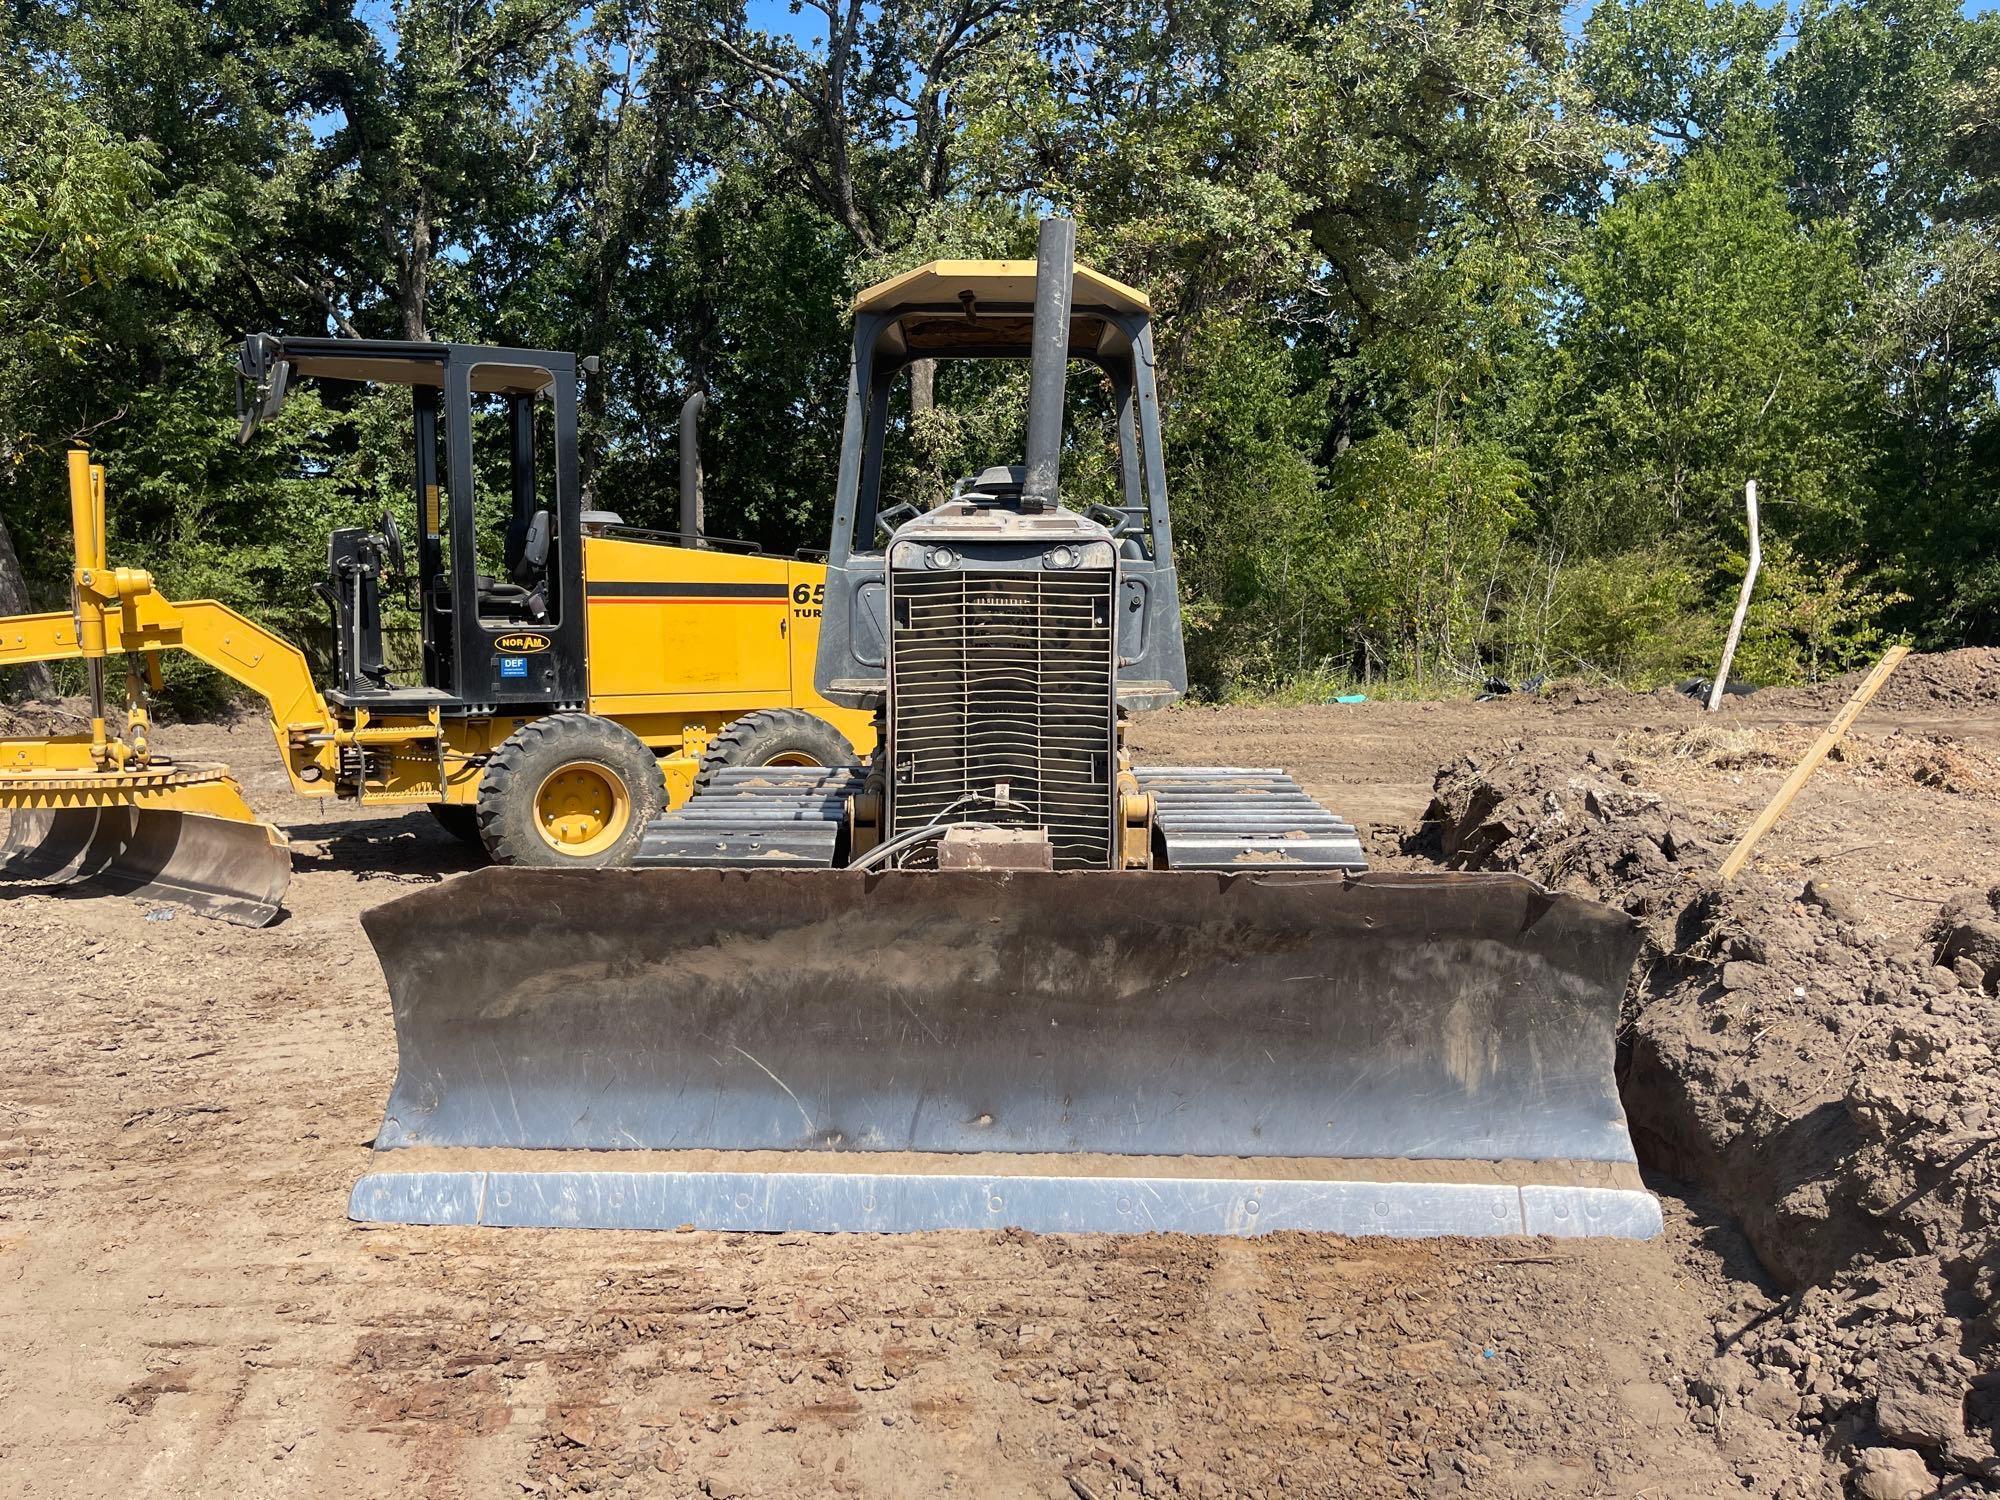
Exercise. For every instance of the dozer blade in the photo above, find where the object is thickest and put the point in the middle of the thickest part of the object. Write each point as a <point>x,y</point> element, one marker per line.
<point>1201,1052</point>
<point>218,866</point>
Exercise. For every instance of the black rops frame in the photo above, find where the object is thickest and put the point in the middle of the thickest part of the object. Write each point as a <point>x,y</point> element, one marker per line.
<point>549,653</point>
<point>471,666</point>
<point>853,650</point>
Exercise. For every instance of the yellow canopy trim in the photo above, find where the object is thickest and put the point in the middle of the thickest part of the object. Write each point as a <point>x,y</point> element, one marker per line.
<point>942,283</point>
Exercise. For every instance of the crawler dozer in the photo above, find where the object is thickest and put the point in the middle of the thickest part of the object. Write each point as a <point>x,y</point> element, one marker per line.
<point>996,975</point>
<point>564,699</point>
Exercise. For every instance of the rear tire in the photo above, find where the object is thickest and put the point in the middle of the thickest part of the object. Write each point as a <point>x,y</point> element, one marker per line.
<point>775,737</point>
<point>459,819</point>
<point>571,791</point>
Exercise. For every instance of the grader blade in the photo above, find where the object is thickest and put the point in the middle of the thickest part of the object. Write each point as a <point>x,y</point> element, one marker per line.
<point>47,848</point>
<point>221,867</point>
<point>1078,1051</point>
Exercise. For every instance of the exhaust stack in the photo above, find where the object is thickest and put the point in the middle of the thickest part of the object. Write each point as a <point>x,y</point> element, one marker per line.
<point>691,517</point>
<point>1055,281</point>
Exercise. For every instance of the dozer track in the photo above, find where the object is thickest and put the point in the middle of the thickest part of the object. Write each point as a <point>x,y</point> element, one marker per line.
<point>1208,818</point>
<point>756,817</point>
<point>1228,818</point>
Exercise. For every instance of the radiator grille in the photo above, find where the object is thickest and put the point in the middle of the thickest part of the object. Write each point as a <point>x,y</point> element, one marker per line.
<point>1004,677</point>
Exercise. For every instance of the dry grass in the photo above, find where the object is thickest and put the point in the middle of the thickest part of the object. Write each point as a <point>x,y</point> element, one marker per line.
<point>1713,747</point>
<point>1939,762</point>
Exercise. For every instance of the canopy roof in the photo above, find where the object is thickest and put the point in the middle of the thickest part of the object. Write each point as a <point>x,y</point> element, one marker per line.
<point>402,362</point>
<point>944,283</point>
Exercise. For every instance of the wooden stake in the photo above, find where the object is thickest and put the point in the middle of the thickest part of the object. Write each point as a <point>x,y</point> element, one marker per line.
<point>1842,722</point>
<point>1721,684</point>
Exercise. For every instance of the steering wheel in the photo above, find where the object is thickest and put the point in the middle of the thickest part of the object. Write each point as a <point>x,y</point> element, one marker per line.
<point>392,544</point>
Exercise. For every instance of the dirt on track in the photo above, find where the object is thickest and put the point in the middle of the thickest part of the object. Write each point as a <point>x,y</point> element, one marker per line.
<point>184,1310</point>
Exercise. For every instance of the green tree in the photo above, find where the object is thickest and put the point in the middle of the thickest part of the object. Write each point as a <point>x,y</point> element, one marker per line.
<point>1868,95</point>
<point>84,230</point>
<point>1468,330</point>
<point>1704,337</point>
<point>428,151</point>
<point>861,119</point>
<point>1681,68</point>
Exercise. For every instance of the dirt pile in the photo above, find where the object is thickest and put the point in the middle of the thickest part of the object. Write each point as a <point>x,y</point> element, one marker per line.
<point>1941,682</point>
<point>1833,1086</point>
<point>34,717</point>
<point>1939,762</point>
<point>1935,682</point>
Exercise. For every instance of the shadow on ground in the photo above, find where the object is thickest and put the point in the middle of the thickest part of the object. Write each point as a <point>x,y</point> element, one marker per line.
<point>403,846</point>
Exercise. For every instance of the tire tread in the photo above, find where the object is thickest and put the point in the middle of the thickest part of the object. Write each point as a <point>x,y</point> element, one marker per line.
<point>505,787</point>
<point>736,744</point>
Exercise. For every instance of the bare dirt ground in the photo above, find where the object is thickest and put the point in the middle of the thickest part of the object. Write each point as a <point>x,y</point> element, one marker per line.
<point>184,1310</point>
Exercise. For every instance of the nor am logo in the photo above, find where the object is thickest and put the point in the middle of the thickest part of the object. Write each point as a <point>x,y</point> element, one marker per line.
<point>522,643</point>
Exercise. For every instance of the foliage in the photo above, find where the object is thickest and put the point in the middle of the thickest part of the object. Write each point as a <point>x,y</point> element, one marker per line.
<point>1703,340</point>
<point>1427,531</point>
<point>1810,619</point>
<point>1469,329</point>
<point>1636,616</point>
<point>1682,68</point>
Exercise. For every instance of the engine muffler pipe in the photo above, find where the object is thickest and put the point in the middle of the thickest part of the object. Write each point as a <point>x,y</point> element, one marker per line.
<point>691,517</point>
<point>1048,366</point>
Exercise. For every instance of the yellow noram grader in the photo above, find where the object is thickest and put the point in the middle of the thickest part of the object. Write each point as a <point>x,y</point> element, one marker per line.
<point>564,700</point>
<point>994,974</point>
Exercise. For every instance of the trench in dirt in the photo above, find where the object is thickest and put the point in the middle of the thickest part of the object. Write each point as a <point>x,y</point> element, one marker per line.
<point>1822,1072</point>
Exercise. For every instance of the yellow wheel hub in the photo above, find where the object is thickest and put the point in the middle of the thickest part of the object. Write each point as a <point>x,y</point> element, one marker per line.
<point>793,758</point>
<point>582,808</point>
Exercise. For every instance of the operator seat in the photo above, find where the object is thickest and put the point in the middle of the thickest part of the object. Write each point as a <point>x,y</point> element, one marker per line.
<point>522,596</point>
<point>998,485</point>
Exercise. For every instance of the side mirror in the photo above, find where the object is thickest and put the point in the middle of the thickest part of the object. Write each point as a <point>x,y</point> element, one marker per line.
<point>392,544</point>
<point>273,392</point>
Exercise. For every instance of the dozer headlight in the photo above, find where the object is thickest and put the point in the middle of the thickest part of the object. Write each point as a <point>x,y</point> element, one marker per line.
<point>1094,555</point>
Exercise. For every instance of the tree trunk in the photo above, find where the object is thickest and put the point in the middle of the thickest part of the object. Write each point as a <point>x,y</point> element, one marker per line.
<point>414,278</point>
<point>923,386</point>
<point>35,679</point>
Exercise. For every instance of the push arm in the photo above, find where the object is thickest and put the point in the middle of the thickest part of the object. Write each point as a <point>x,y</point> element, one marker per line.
<point>118,610</point>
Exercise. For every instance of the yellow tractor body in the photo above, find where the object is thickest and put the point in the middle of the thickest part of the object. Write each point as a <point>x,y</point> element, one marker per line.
<point>556,716</point>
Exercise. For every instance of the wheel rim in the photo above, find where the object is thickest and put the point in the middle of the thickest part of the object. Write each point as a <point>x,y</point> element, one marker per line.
<point>793,758</point>
<point>582,809</point>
